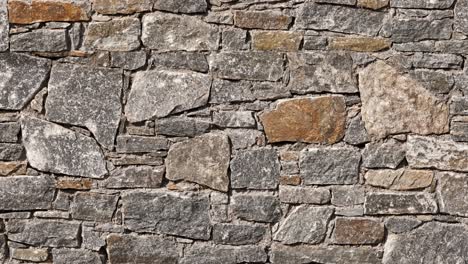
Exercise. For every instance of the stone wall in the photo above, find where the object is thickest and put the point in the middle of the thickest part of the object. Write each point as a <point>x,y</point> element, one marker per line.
<point>234,131</point>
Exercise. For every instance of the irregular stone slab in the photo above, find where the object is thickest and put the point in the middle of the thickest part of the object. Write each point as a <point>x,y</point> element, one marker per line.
<point>202,253</point>
<point>30,254</point>
<point>26,193</point>
<point>399,203</point>
<point>167,32</point>
<point>86,96</point>
<point>401,179</point>
<point>167,213</point>
<point>11,151</point>
<point>112,7</point>
<point>388,106</point>
<point>372,4</point>
<point>461,16</point>
<point>123,249</point>
<point>438,82</point>
<point>41,40</point>
<point>53,148</point>
<point>204,160</point>
<point>452,190</point>
<point>135,177</point>
<point>244,138</point>
<point>181,60</point>
<point>303,195</point>
<point>356,133</point>
<point>4,26</point>
<point>29,12</point>
<point>330,166</point>
<point>234,119</point>
<point>340,19</point>
<point>459,128</point>
<point>270,91</point>
<point>428,245</point>
<point>358,231</point>
<point>234,39</point>
<point>347,196</point>
<point>120,34</point>
<point>181,6</point>
<point>70,183</point>
<point>388,154</point>
<point>303,254</point>
<point>417,29</point>
<point>233,234</point>
<point>425,152</point>
<point>13,168</point>
<point>159,93</point>
<point>437,61</point>
<point>321,72</point>
<point>255,169</point>
<point>181,127</point>
<point>438,4</point>
<point>9,132</point>
<point>361,44</point>
<point>276,40</point>
<point>311,120</point>
<point>47,233</point>
<point>255,66</point>
<point>401,224</point>
<point>256,207</point>
<point>95,207</point>
<point>339,2</point>
<point>261,20</point>
<point>224,91</point>
<point>138,144</point>
<point>132,60</point>
<point>305,224</point>
<point>459,105</point>
<point>75,256</point>
<point>21,78</point>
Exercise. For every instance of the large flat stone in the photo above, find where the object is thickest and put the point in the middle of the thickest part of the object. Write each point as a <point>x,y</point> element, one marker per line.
<point>387,154</point>
<point>48,233</point>
<point>399,203</point>
<point>401,179</point>
<point>438,4</point>
<point>53,148</point>
<point>122,34</point>
<point>238,234</point>
<point>135,177</point>
<point>18,193</point>
<point>256,207</point>
<point>311,120</point>
<point>303,195</point>
<point>204,160</point>
<point>417,29</point>
<point>91,206</point>
<point>167,213</point>
<point>29,12</point>
<point>159,93</point>
<point>75,256</point>
<point>453,192</point>
<point>181,6</point>
<point>21,77</point>
<point>86,96</point>
<point>41,40</point>
<point>111,7</point>
<point>389,105</point>
<point>204,253</point>
<point>358,231</point>
<point>261,20</point>
<point>4,26</point>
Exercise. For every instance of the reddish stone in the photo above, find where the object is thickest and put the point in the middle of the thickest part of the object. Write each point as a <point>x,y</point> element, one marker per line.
<point>358,231</point>
<point>22,12</point>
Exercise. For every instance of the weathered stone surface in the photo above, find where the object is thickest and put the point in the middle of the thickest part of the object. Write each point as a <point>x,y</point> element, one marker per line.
<point>453,190</point>
<point>401,179</point>
<point>199,253</point>
<point>29,12</point>
<point>70,183</point>
<point>3,249</point>
<point>167,32</point>
<point>152,159</point>
<point>338,2</point>
<point>270,91</point>
<point>233,234</point>
<point>22,76</point>
<point>362,44</point>
<point>53,148</point>
<point>401,224</point>
<point>48,233</point>
<point>425,152</point>
<point>26,193</point>
<point>9,132</point>
<point>41,40</point>
<point>305,224</point>
<point>234,119</point>
<point>111,7</point>
<point>181,127</point>
<point>347,196</point>
<point>4,27</point>
<point>10,151</point>
<point>340,19</point>
<point>244,138</point>
<point>437,61</point>
<point>322,72</point>
<point>303,254</point>
<point>256,207</point>
<point>75,256</point>
<point>13,168</point>
<point>399,203</point>
<point>120,34</point>
<point>30,254</point>
<point>181,6</point>
<point>304,195</point>
<point>260,66</point>
<point>95,207</point>
<point>438,4</point>
<point>356,133</point>
<point>389,105</point>
<point>181,60</point>
<point>234,39</point>
<point>417,29</point>
<point>224,91</point>
<point>459,105</point>
<point>204,160</point>
<point>135,177</point>
<point>387,154</point>
<point>255,169</point>
<point>459,128</point>
<point>438,82</point>
<point>261,20</point>
<point>372,4</point>
<point>159,93</point>
<point>461,16</point>
<point>330,166</point>
<point>276,40</point>
<point>428,244</point>
<point>86,96</point>
<point>138,144</point>
<point>167,213</point>
<point>124,249</point>
<point>358,231</point>
<point>128,60</point>
<point>311,120</point>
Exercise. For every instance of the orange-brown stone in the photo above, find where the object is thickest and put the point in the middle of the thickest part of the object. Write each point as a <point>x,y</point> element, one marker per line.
<point>358,231</point>
<point>74,184</point>
<point>13,168</point>
<point>311,120</point>
<point>261,20</point>
<point>372,4</point>
<point>276,40</point>
<point>290,180</point>
<point>22,12</point>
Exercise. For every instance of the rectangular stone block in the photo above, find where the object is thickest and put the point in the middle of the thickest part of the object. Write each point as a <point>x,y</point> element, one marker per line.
<point>358,231</point>
<point>45,233</point>
<point>9,132</point>
<point>4,26</point>
<point>138,144</point>
<point>18,193</point>
<point>29,12</point>
<point>399,203</point>
<point>303,195</point>
<point>256,207</point>
<point>40,40</point>
<point>95,207</point>
<point>261,20</point>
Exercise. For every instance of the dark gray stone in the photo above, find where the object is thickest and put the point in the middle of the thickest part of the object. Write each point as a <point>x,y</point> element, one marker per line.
<point>438,82</point>
<point>234,39</point>
<point>4,29</point>
<point>75,256</point>
<point>9,132</point>
<point>167,213</point>
<point>41,40</point>
<point>303,195</point>
<point>181,127</point>
<point>47,233</point>
<point>330,166</point>
<point>22,77</point>
<point>181,6</point>
<point>200,253</point>
<point>135,177</point>
<point>256,207</point>
<point>255,169</point>
<point>238,234</point>
<point>95,207</point>
<point>180,60</point>
<point>224,91</point>
<point>91,239</point>
<point>119,34</point>
<point>387,154</point>
<point>86,96</point>
<point>3,247</point>
<point>10,151</point>
<point>356,133</point>
<point>234,119</point>
<point>437,61</point>
<point>53,148</point>
<point>459,129</point>
<point>270,91</point>
<point>401,224</point>
<point>459,105</point>
<point>422,4</point>
<point>244,138</point>
<point>132,60</point>
<point>452,190</point>
<point>138,144</point>
<point>417,29</point>
<point>399,203</point>
<point>338,2</point>
<point>18,193</point>
<point>159,93</point>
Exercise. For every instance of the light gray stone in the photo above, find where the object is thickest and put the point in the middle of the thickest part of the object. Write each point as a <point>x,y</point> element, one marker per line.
<point>338,2</point>
<point>86,96</point>
<point>21,78</point>
<point>270,91</point>
<point>437,61</point>
<point>256,207</point>
<point>4,27</point>
<point>303,195</point>
<point>53,148</point>
<point>9,132</point>
<point>47,233</point>
<point>238,234</point>
<point>417,29</point>
<point>461,16</point>
<point>92,206</point>
<point>234,39</point>
<point>139,144</point>
<point>91,239</point>
<point>459,129</point>
<point>41,40</point>
<point>423,4</point>
<point>182,127</point>
<point>159,93</point>
<point>398,225</point>
<point>11,151</point>
<point>453,192</point>
<point>399,203</point>
<point>18,193</point>
<point>388,154</point>
<point>244,138</point>
<point>128,60</point>
<point>119,34</point>
<point>203,160</point>
<point>255,169</point>
<point>75,256</point>
<point>224,91</point>
<point>200,253</point>
<point>30,254</point>
<point>234,119</point>
<point>135,177</point>
<point>3,247</point>
<point>169,32</point>
<point>333,165</point>
<point>181,6</point>
<point>180,60</point>
<point>167,213</point>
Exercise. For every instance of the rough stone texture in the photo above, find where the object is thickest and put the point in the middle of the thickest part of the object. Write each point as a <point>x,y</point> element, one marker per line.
<point>380,83</point>
<point>239,119</point>
<point>112,7</point>
<point>159,93</point>
<point>261,20</point>
<point>401,224</point>
<point>417,29</point>
<point>139,144</point>
<point>401,179</point>
<point>255,169</point>
<point>372,4</point>
<point>359,44</point>
<point>26,193</point>
<point>116,35</point>
<point>10,152</point>
<point>439,4</point>
<point>181,6</point>
<point>453,192</point>
<point>135,177</point>
<point>95,207</point>
<point>94,105</point>
<point>48,233</point>
<point>75,256</point>
<point>279,41</point>
<point>22,76</point>
<point>256,207</point>
<point>128,60</point>
<point>13,168</point>
<point>459,129</point>
<point>9,132</point>
<point>356,133</point>
<point>181,60</point>
<point>230,234</point>
<point>383,155</point>
<point>311,120</point>
<point>4,26</point>
<point>204,160</point>
<point>30,254</point>
<point>42,40</point>
<point>303,195</point>
<point>202,254</point>
<point>461,16</point>
<point>29,12</point>
<point>181,127</point>
<point>396,203</point>
<point>358,231</point>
